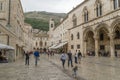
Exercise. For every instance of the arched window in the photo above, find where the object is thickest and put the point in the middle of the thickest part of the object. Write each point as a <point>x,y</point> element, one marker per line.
<point>41,44</point>
<point>51,25</point>
<point>74,19</point>
<point>98,8</point>
<point>85,11</point>
<point>36,43</point>
<point>45,43</point>
<point>101,37</point>
<point>71,36</point>
<point>116,3</point>
<point>78,35</point>
<point>117,34</point>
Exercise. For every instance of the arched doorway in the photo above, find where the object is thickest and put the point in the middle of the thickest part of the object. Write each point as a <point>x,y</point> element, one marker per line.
<point>116,32</point>
<point>89,43</point>
<point>103,40</point>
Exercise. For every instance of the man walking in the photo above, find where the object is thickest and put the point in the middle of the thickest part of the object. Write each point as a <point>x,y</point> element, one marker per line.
<point>76,57</point>
<point>79,56</point>
<point>27,58</point>
<point>36,54</point>
<point>70,58</point>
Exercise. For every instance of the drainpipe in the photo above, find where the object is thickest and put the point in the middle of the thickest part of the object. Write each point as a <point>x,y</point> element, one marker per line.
<point>8,40</point>
<point>8,23</point>
<point>9,11</point>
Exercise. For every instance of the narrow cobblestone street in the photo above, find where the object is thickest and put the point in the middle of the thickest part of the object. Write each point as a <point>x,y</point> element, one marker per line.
<point>44,71</point>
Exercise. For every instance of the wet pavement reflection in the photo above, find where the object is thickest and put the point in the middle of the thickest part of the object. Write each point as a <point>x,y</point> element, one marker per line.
<point>96,68</point>
<point>44,71</point>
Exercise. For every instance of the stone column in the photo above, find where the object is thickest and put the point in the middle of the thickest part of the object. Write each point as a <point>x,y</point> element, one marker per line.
<point>112,48</point>
<point>85,48</point>
<point>96,45</point>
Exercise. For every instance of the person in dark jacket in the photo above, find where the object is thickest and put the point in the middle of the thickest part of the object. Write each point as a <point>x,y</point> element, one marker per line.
<point>70,58</point>
<point>37,55</point>
<point>79,56</point>
<point>27,58</point>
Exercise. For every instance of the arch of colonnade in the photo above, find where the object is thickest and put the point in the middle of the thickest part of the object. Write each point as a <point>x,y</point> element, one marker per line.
<point>104,40</point>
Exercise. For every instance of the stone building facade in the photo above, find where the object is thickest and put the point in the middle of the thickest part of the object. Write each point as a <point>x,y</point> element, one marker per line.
<point>92,27</point>
<point>40,39</point>
<point>28,37</point>
<point>12,26</point>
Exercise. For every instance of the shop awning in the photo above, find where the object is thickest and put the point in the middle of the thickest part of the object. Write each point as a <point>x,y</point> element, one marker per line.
<point>61,45</point>
<point>53,46</point>
<point>3,46</point>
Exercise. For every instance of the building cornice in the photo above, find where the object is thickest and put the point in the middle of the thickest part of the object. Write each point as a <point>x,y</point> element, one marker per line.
<point>78,6</point>
<point>97,19</point>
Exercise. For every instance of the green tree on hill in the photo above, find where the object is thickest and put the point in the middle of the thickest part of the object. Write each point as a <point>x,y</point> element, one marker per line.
<point>38,24</point>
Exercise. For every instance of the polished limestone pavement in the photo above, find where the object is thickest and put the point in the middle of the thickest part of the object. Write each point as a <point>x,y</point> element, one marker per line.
<point>94,68</point>
<point>44,71</point>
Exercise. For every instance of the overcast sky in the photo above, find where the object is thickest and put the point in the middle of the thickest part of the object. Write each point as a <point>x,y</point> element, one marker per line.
<point>59,6</point>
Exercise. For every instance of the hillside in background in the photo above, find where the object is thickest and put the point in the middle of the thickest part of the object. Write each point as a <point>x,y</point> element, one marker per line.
<point>40,20</point>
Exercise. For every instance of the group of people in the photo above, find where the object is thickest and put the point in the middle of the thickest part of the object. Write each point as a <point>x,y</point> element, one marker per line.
<point>68,56</point>
<point>64,56</point>
<point>36,55</point>
<point>50,53</point>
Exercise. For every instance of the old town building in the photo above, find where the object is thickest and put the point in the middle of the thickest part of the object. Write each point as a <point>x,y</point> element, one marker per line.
<point>12,26</point>
<point>40,39</point>
<point>93,27</point>
<point>28,37</point>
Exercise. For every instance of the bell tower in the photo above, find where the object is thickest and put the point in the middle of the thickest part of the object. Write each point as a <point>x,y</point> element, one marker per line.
<point>51,24</point>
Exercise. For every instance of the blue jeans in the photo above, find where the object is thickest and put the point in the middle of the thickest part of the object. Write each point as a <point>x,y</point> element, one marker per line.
<point>36,60</point>
<point>70,61</point>
<point>27,61</point>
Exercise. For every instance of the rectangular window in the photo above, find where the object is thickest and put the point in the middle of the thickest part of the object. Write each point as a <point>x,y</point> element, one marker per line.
<point>117,47</point>
<point>72,46</point>
<point>78,46</point>
<point>119,3</point>
<point>97,11</point>
<point>115,2</point>
<point>1,6</point>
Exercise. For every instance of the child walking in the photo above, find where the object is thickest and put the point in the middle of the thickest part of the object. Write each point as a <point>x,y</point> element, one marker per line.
<point>75,69</point>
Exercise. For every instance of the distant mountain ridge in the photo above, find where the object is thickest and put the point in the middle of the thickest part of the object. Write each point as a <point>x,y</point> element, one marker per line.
<point>40,19</point>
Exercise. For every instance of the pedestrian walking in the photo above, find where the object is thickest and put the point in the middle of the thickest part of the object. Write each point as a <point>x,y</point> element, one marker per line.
<point>76,57</point>
<point>79,56</point>
<point>27,58</point>
<point>70,58</point>
<point>75,69</point>
<point>48,53</point>
<point>63,58</point>
<point>37,55</point>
